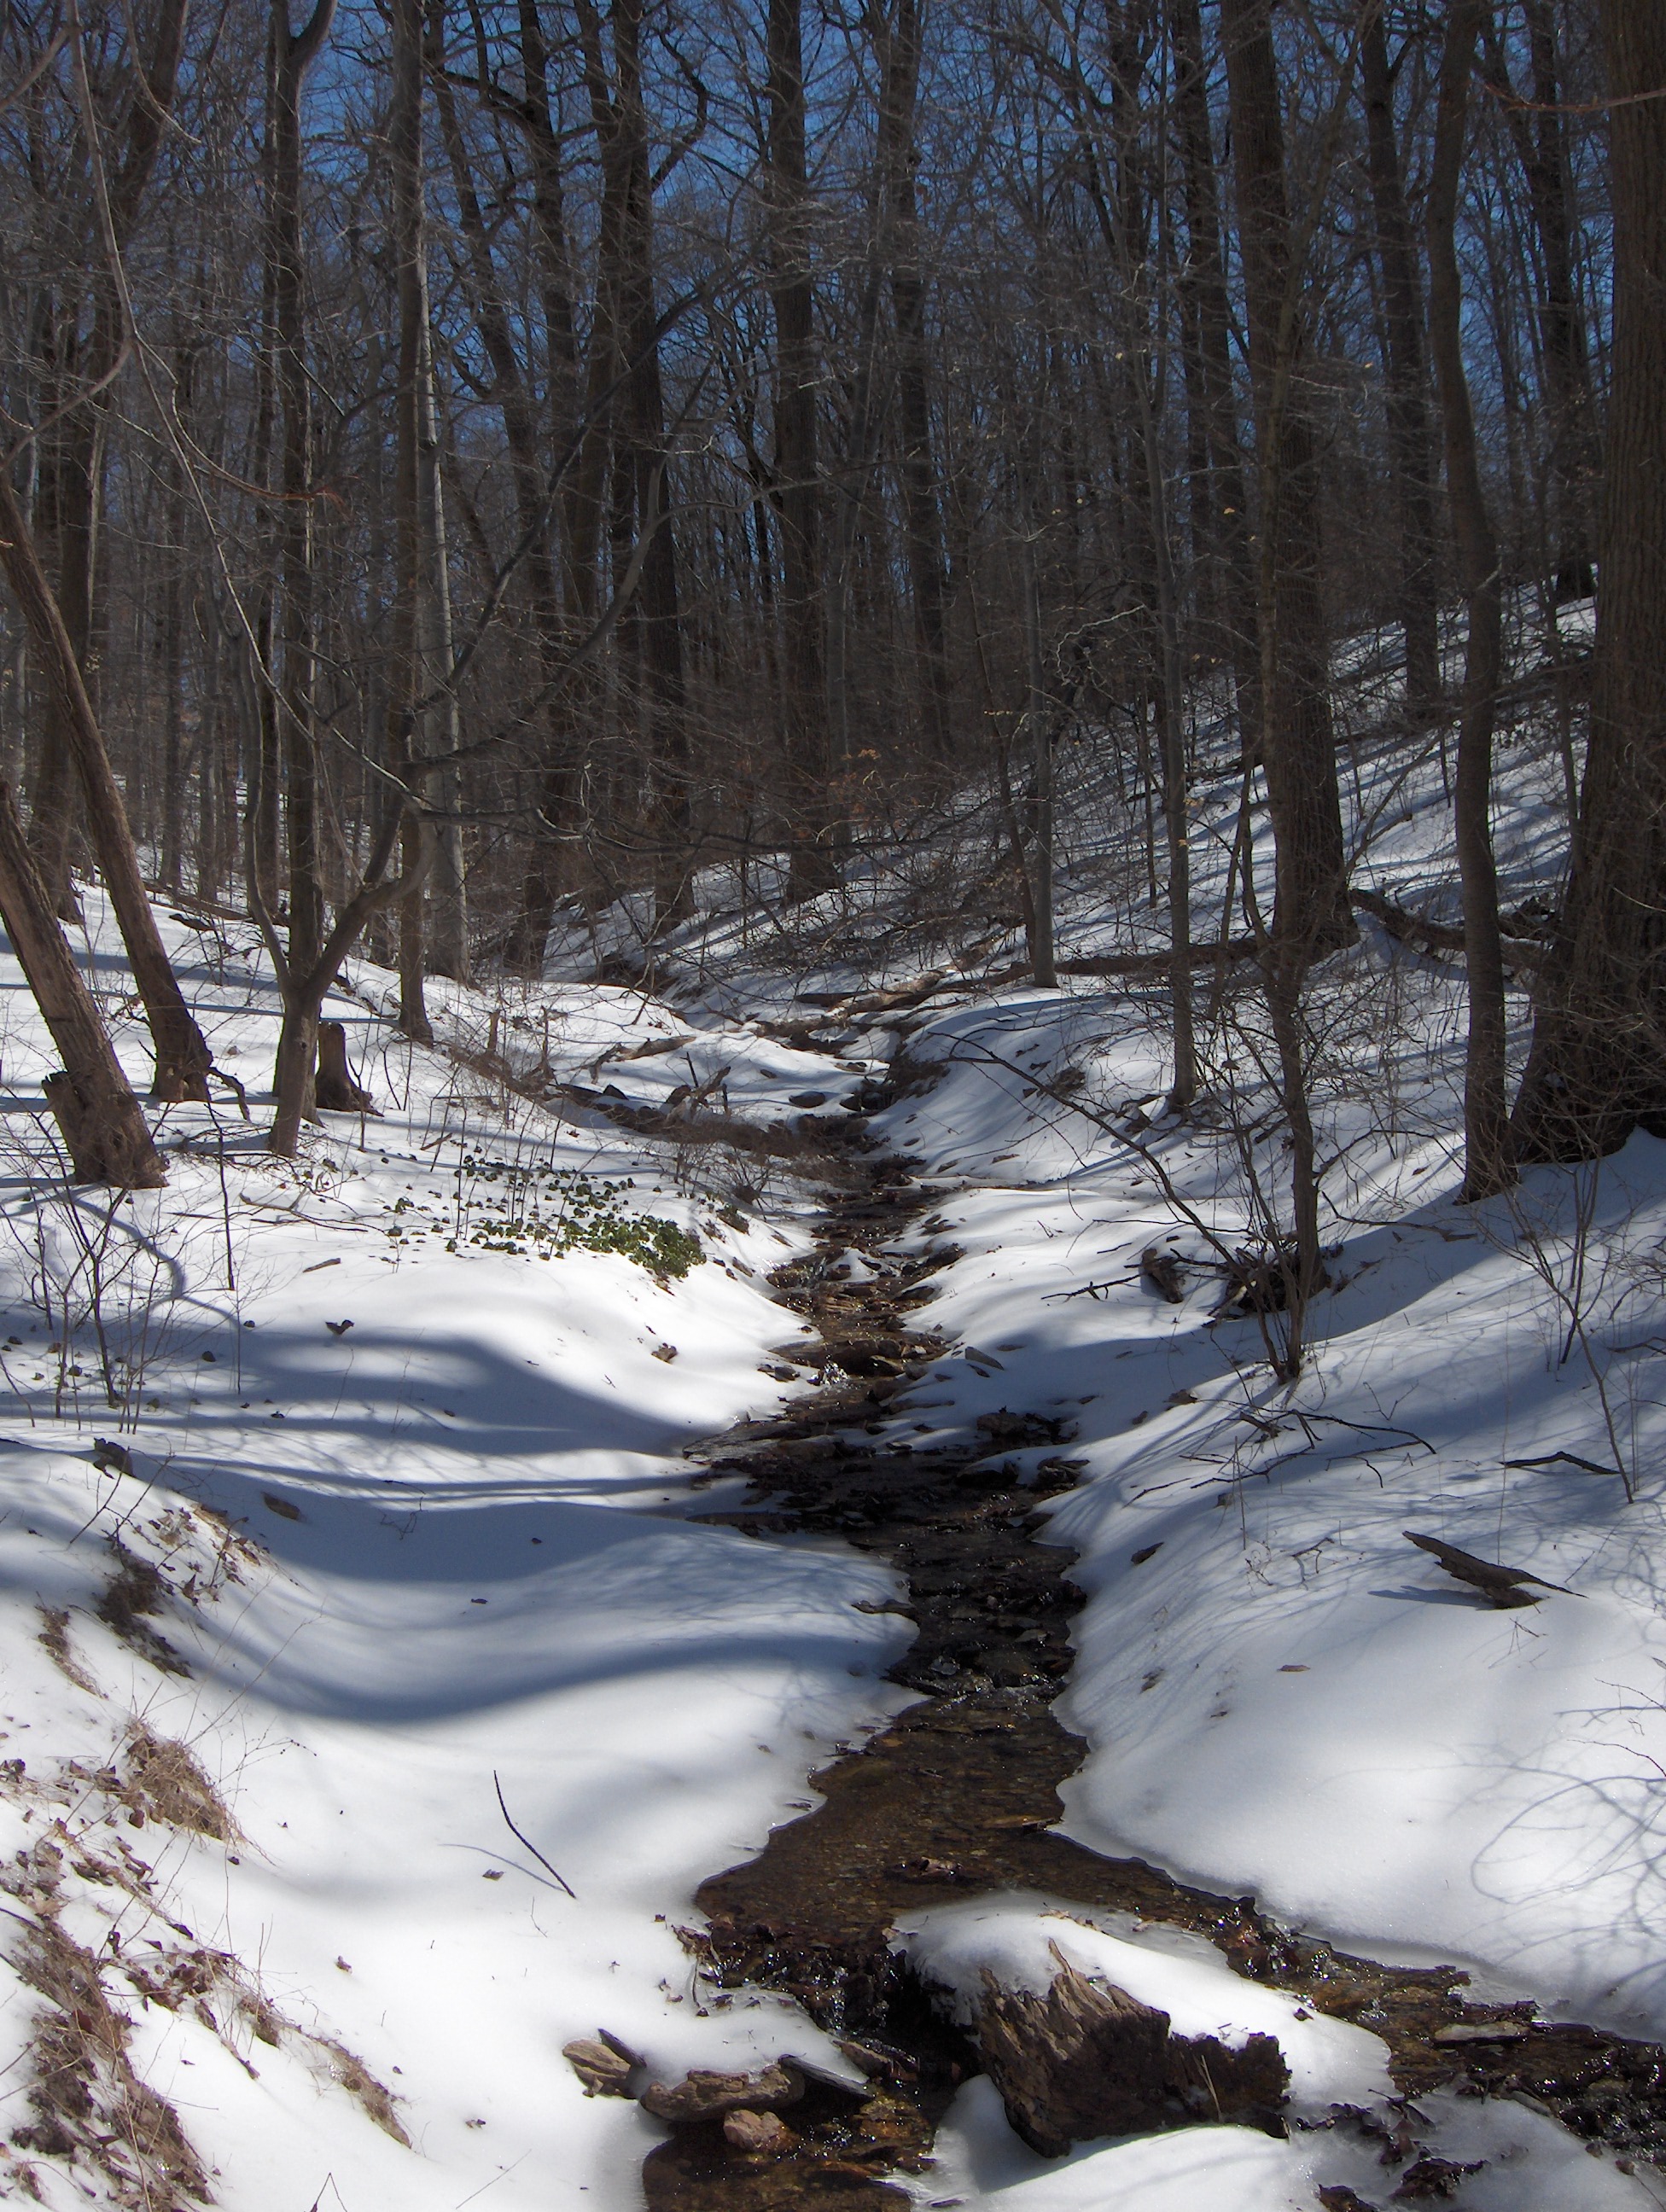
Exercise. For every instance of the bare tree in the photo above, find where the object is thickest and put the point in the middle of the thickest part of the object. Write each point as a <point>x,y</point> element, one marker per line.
<point>1487,1165</point>
<point>1598,1059</point>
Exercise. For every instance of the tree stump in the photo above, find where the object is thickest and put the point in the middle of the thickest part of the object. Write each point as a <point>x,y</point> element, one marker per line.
<point>1085,2060</point>
<point>336,1091</point>
<point>1088,2060</point>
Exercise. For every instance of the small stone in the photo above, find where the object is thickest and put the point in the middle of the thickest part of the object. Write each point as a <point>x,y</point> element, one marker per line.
<point>1432,2180</point>
<point>704,2094</point>
<point>605,2068</point>
<point>758,2132</point>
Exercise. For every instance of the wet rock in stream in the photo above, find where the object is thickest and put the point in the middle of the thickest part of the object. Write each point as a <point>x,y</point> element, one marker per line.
<point>958,1795</point>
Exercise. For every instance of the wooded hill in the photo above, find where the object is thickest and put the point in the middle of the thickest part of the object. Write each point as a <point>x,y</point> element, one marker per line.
<point>462,459</point>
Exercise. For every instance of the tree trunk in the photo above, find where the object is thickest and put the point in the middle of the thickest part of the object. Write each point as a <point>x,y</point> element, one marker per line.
<point>1572,463</point>
<point>1598,1060</point>
<point>1410,445</point>
<point>409,675</point>
<point>812,865</point>
<point>102,1123</point>
<point>1311,916</point>
<point>292,56</point>
<point>183,1058</point>
<point>1487,1165</point>
<point>583,431</point>
<point>1230,595</point>
<point>1038,728</point>
<point>541,591</point>
<point>922,530</point>
<point>69,470</point>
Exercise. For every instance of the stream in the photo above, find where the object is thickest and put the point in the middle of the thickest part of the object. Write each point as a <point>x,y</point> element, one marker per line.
<point>958,1795</point>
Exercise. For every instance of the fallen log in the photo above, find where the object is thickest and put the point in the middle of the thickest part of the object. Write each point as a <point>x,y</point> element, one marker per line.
<point>1157,963</point>
<point>1431,936</point>
<point>1500,1586</point>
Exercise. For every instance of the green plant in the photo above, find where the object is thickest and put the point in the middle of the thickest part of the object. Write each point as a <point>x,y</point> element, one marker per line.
<point>533,1210</point>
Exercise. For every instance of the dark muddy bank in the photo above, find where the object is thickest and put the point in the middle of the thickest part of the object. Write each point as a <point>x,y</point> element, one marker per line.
<point>957,1796</point>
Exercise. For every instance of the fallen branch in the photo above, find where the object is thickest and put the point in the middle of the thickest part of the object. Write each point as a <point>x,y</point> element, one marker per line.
<point>1157,963</point>
<point>1433,937</point>
<point>522,1837</point>
<point>1499,1586</point>
<point>1550,1459</point>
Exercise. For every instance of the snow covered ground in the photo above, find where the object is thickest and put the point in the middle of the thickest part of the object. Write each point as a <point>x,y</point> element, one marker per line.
<point>424,1510</point>
<point>389,1544</point>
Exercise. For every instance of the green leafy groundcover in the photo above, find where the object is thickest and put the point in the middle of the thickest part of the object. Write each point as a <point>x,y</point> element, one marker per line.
<point>548,1211</point>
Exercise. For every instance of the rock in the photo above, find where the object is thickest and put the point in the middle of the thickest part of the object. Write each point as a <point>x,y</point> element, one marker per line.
<point>1482,2031</point>
<point>1432,2180</point>
<point>703,2094</point>
<point>928,1869</point>
<point>806,1099</point>
<point>1004,1428</point>
<point>1337,2197</point>
<point>603,2064</point>
<point>758,2132</point>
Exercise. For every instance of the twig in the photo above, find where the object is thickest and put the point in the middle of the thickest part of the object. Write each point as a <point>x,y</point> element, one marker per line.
<point>527,1840</point>
<point>1550,1459</point>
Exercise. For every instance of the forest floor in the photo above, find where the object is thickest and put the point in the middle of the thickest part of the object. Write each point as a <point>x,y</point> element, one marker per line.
<point>436,1629</point>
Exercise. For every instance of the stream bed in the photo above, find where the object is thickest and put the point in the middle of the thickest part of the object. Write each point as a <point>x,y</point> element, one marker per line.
<point>958,1795</point>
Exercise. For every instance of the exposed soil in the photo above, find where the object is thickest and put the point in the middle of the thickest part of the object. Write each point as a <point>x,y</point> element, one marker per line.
<point>957,1796</point>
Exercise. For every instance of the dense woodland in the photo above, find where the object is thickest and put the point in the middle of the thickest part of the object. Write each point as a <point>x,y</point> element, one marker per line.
<point>470,457</point>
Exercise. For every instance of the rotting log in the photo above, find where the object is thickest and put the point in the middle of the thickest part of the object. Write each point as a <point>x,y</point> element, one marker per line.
<point>103,1125</point>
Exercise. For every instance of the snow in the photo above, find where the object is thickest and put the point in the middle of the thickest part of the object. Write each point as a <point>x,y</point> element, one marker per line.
<point>473,1572</point>
<point>1020,1941</point>
<point>1286,1698</point>
<point>1528,2160</point>
<point>440,1569</point>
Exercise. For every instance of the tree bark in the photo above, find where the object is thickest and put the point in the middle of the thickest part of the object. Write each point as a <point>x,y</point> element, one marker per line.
<point>102,1123</point>
<point>922,532</point>
<point>1598,1059</point>
<point>183,1058</point>
<point>1410,442</point>
<point>1311,915</point>
<point>292,56</point>
<point>576,424</point>
<point>77,444</point>
<point>1488,1168</point>
<point>1223,527</point>
<point>409,674</point>
<point>813,866</point>
<point>1572,463</point>
<point>1038,729</point>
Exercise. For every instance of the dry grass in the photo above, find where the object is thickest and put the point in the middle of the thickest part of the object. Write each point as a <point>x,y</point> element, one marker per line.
<point>133,1594</point>
<point>165,1782</point>
<point>54,1634</point>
